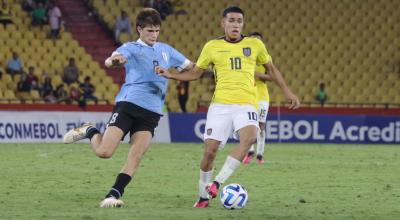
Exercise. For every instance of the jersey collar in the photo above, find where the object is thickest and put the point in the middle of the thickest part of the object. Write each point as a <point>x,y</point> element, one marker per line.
<point>226,39</point>
<point>144,44</point>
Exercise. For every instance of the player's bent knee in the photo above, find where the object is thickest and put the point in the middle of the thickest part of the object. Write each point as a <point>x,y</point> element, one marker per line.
<point>103,154</point>
<point>210,155</point>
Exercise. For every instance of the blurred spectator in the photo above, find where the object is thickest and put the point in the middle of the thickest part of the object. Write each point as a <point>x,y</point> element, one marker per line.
<point>61,94</point>
<point>5,14</point>
<point>14,65</point>
<point>55,20</point>
<point>44,2</point>
<point>71,72</point>
<point>44,75</point>
<point>147,3</point>
<point>32,79</point>
<point>164,7</point>
<point>123,24</point>
<point>183,94</point>
<point>39,15</point>
<point>178,8</point>
<point>88,89</point>
<point>28,5</point>
<point>47,90</point>
<point>23,84</point>
<point>321,96</point>
<point>76,95</point>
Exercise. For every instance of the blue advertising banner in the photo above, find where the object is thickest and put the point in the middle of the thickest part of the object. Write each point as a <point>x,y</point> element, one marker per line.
<point>187,127</point>
<point>303,128</point>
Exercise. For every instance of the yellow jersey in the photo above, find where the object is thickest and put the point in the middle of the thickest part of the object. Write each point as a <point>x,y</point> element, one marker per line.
<point>261,86</point>
<point>234,67</point>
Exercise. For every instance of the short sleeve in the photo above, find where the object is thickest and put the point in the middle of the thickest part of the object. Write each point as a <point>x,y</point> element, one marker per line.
<point>177,59</point>
<point>127,50</point>
<point>205,57</point>
<point>263,56</point>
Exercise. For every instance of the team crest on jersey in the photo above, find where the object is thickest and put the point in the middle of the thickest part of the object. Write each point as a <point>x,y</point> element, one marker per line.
<point>247,51</point>
<point>209,131</point>
<point>164,55</point>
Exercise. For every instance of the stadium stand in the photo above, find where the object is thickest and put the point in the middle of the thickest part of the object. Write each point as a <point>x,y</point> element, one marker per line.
<point>37,50</point>
<point>352,46</point>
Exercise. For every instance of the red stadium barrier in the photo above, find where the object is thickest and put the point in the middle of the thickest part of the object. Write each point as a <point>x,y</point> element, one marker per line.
<point>54,107</point>
<point>108,108</point>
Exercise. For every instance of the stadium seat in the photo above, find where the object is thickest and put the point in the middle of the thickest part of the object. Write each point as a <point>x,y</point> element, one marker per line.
<point>307,40</point>
<point>34,94</point>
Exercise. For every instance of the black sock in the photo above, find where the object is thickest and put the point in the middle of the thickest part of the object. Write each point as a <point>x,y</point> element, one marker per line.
<point>203,199</point>
<point>250,153</point>
<point>117,190</point>
<point>217,183</point>
<point>91,131</point>
<point>259,157</point>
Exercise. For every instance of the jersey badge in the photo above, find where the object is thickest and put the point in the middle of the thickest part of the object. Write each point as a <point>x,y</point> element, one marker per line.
<point>165,57</point>
<point>247,51</point>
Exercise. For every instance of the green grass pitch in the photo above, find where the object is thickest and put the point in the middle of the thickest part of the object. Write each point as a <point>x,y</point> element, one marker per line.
<point>299,181</point>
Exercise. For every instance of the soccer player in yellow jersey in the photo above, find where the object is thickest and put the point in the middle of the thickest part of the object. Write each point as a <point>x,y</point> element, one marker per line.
<point>233,105</point>
<point>263,106</point>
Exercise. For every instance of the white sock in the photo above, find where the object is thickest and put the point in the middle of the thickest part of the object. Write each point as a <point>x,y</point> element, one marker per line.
<point>230,165</point>
<point>205,178</point>
<point>261,143</point>
<point>251,148</point>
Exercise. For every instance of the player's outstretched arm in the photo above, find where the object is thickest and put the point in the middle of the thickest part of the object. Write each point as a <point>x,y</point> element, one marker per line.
<point>263,77</point>
<point>191,72</point>
<point>116,60</point>
<point>280,81</point>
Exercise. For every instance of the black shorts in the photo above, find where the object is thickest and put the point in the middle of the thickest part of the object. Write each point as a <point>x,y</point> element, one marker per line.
<point>133,118</point>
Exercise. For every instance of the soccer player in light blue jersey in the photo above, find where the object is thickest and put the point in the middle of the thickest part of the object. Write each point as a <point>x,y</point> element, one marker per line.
<point>139,104</point>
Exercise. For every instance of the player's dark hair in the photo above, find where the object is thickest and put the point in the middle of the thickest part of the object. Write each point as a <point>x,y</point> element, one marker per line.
<point>256,34</point>
<point>148,17</point>
<point>232,9</point>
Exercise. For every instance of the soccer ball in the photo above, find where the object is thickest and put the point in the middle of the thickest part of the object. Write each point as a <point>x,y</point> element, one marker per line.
<point>233,196</point>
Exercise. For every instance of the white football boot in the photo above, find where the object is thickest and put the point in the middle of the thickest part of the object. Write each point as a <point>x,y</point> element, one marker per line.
<point>111,202</point>
<point>76,134</point>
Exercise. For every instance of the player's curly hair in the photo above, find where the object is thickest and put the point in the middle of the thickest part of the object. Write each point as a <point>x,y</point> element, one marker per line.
<point>148,17</point>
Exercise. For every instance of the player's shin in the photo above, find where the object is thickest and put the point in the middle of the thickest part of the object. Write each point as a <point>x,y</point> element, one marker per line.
<point>117,190</point>
<point>205,178</point>
<point>229,167</point>
<point>261,143</point>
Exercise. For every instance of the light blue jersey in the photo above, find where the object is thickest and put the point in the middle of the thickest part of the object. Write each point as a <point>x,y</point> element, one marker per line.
<point>143,86</point>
